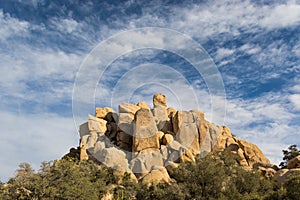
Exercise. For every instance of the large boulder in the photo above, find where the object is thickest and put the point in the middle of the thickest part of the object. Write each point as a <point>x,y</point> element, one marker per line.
<point>113,157</point>
<point>161,118</point>
<point>294,163</point>
<point>157,176</point>
<point>128,108</point>
<point>90,140</point>
<point>252,153</point>
<point>160,113</point>
<point>144,131</point>
<point>96,124</point>
<point>185,126</point>
<point>126,117</point>
<point>210,138</point>
<point>146,161</point>
<point>125,123</point>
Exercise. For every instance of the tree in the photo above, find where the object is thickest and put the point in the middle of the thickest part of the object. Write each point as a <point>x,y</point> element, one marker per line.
<point>289,154</point>
<point>293,187</point>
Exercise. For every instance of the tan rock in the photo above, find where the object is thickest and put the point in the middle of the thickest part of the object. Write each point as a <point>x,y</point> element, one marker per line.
<point>108,196</point>
<point>265,165</point>
<point>211,137</point>
<point>243,161</point>
<point>157,176</point>
<point>83,154</point>
<point>185,126</point>
<point>144,131</point>
<point>160,136</point>
<point>113,157</point>
<point>105,113</point>
<point>171,165</point>
<point>143,104</point>
<point>96,124</point>
<point>128,108</point>
<point>203,127</point>
<point>252,153</point>
<point>171,112</point>
<point>199,113</point>
<point>294,163</point>
<point>145,161</point>
<point>267,173</point>
<point>91,140</point>
<point>159,99</point>
<point>168,138</point>
<point>99,146</point>
<point>161,118</point>
<point>187,156</point>
<point>164,151</point>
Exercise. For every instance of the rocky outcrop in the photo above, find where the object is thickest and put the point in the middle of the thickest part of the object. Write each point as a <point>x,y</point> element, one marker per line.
<point>148,142</point>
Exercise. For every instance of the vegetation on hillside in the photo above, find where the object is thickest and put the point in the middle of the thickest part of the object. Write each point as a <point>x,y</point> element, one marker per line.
<point>216,176</point>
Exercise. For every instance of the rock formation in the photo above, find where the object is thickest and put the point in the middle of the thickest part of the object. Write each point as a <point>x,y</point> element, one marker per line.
<point>148,142</point>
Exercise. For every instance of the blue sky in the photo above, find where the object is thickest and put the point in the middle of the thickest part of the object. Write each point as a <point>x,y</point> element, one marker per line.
<point>254,44</point>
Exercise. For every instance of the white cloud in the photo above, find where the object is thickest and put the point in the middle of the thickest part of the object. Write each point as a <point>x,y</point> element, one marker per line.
<point>265,121</point>
<point>280,16</point>
<point>33,138</point>
<point>295,99</point>
<point>11,27</point>
<point>224,52</point>
<point>44,67</point>
<point>65,25</point>
<point>250,49</point>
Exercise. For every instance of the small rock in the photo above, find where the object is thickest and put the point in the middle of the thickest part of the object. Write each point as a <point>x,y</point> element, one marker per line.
<point>159,99</point>
<point>167,139</point>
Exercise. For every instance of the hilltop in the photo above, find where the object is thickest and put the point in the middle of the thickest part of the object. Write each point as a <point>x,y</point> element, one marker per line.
<point>157,153</point>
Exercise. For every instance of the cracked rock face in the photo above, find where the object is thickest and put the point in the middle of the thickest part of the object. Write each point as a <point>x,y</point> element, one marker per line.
<point>147,142</point>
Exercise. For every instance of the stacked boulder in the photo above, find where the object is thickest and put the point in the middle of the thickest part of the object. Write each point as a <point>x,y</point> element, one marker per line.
<point>293,168</point>
<point>148,142</point>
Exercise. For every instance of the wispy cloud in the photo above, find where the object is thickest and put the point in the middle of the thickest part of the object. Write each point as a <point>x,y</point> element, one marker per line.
<point>11,27</point>
<point>33,138</point>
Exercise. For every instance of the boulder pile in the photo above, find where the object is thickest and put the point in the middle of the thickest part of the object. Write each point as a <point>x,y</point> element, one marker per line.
<point>147,142</point>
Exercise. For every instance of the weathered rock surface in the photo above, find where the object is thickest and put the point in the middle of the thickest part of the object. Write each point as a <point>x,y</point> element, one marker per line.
<point>145,161</point>
<point>113,157</point>
<point>159,99</point>
<point>144,131</point>
<point>157,176</point>
<point>128,108</point>
<point>143,104</point>
<point>96,124</point>
<point>106,113</point>
<point>294,163</point>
